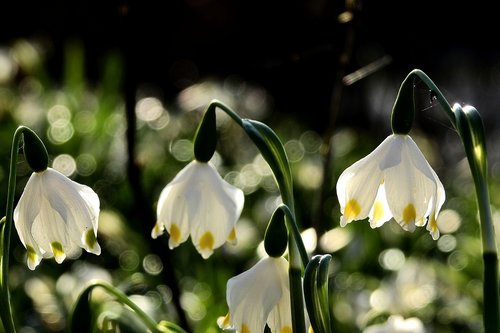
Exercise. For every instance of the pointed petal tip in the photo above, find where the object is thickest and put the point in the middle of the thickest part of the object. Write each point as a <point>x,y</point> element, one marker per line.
<point>96,249</point>
<point>231,239</point>
<point>224,322</point>
<point>205,253</point>
<point>172,244</point>
<point>375,224</point>
<point>58,251</point>
<point>32,264</point>
<point>157,231</point>
<point>32,259</point>
<point>344,221</point>
<point>90,242</point>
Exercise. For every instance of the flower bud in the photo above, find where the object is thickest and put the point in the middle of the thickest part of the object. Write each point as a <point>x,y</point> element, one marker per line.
<point>276,237</point>
<point>34,151</point>
<point>205,139</point>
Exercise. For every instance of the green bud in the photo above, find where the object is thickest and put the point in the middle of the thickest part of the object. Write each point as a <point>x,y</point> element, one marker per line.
<point>205,139</point>
<point>403,111</point>
<point>276,237</point>
<point>316,294</point>
<point>34,151</point>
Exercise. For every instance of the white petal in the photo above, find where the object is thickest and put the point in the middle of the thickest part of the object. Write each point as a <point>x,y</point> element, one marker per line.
<point>27,209</point>
<point>409,189</point>
<point>77,204</point>
<point>253,294</point>
<point>33,258</point>
<point>358,185</point>
<point>427,182</point>
<point>174,214</point>
<point>54,215</point>
<point>198,202</point>
<point>49,227</point>
<point>432,226</point>
<point>217,210</point>
<point>172,211</point>
<point>380,211</point>
<point>280,318</point>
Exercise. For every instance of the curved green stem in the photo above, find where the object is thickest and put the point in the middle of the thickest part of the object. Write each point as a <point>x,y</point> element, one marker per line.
<point>6,308</point>
<point>163,327</point>
<point>469,126</point>
<point>37,158</point>
<point>471,130</point>
<point>403,111</point>
<point>294,230</point>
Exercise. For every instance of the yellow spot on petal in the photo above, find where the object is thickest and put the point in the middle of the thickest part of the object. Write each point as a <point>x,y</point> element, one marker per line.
<point>432,223</point>
<point>157,231</point>
<point>245,329</point>
<point>58,251</point>
<point>352,209</point>
<point>433,227</point>
<point>378,211</point>
<point>310,330</point>
<point>90,239</point>
<point>32,257</point>
<point>409,214</point>
<point>227,320</point>
<point>232,235</point>
<point>286,329</point>
<point>207,241</point>
<point>175,233</point>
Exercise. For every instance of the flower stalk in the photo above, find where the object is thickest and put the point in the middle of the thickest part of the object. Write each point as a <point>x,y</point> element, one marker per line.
<point>6,308</point>
<point>150,323</point>
<point>273,152</point>
<point>469,127</point>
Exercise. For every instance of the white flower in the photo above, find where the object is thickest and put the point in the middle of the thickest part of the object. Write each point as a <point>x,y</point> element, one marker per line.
<point>258,296</point>
<point>395,180</point>
<point>397,324</point>
<point>55,217</point>
<point>198,202</point>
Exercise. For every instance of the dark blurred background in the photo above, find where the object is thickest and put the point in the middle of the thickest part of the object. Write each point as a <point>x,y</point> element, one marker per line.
<point>291,48</point>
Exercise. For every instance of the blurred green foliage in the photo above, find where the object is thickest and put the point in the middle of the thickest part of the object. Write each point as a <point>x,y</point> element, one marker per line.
<point>374,273</point>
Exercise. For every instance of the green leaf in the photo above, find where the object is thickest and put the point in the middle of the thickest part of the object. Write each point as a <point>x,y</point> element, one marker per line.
<point>81,319</point>
<point>316,293</point>
<point>273,151</point>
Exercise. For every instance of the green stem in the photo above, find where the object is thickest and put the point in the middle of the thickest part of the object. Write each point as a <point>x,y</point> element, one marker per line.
<point>403,111</point>
<point>146,319</point>
<point>216,103</point>
<point>439,95</point>
<point>471,131</point>
<point>295,233</point>
<point>469,126</point>
<point>6,308</point>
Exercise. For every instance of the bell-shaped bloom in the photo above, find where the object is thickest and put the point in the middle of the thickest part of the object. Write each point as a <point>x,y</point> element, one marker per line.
<point>397,324</point>
<point>393,181</point>
<point>198,202</point>
<point>258,296</point>
<point>56,217</point>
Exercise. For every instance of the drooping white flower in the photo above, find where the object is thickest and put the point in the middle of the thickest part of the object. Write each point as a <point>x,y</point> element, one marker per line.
<point>258,296</point>
<point>198,202</point>
<point>395,180</point>
<point>397,324</point>
<point>56,217</point>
